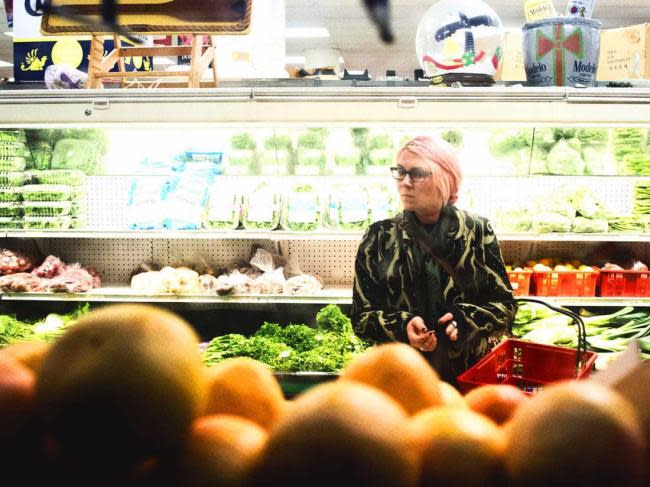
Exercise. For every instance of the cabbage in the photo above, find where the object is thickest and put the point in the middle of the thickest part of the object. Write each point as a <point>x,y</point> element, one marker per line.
<point>565,160</point>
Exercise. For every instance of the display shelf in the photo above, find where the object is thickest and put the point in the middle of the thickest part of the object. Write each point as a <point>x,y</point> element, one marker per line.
<point>282,235</point>
<point>331,294</point>
<point>117,294</point>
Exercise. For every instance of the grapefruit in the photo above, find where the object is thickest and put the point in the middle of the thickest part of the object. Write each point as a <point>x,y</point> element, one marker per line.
<point>339,433</point>
<point>496,401</point>
<point>457,447</point>
<point>123,384</point>
<point>578,434</point>
<point>244,387</point>
<point>401,372</point>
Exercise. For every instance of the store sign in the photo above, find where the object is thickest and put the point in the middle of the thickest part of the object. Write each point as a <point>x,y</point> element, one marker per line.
<point>33,53</point>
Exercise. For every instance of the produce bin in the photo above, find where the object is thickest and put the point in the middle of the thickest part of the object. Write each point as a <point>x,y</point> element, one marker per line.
<point>565,283</point>
<point>520,282</point>
<point>294,383</point>
<point>623,283</point>
<point>525,365</point>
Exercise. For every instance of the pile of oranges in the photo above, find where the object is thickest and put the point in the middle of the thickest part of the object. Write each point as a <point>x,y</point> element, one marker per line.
<point>124,399</point>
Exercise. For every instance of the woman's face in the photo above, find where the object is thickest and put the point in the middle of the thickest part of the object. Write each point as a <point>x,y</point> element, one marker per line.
<point>421,197</point>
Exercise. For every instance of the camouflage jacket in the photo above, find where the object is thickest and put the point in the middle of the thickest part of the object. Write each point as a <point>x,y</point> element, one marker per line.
<point>473,280</point>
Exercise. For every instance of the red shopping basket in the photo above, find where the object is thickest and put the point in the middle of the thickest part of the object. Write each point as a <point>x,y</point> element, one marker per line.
<point>530,366</point>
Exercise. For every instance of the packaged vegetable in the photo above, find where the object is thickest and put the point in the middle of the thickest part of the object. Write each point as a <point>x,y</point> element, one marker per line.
<point>12,163</point>
<point>261,210</point>
<point>46,208</point>
<point>12,135</point>
<point>46,223</point>
<point>47,192</point>
<point>75,154</point>
<point>243,156</point>
<point>565,159</point>
<point>278,155</point>
<point>381,151</point>
<point>589,225</point>
<point>186,201</point>
<point>224,207</point>
<point>312,157</point>
<point>7,223</point>
<point>12,179</point>
<point>69,177</point>
<point>41,154</point>
<point>145,209</point>
<point>348,207</point>
<point>10,194</point>
<point>302,209</point>
<point>551,222</point>
<point>10,210</point>
<point>14,149</point>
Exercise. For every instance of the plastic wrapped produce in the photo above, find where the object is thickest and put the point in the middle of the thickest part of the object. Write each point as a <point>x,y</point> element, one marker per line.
<point>261,210</point>
<point>590,225</point>
<point>46,208</point>
<point>302,209</point>
<point>12,135</point>
<point>551,222</point>
<point>224,207</point>
<point>51,266</point>
<point>312,157</point>
<point>381,152</point>
<point>41,154</point>
<point>70,177</point>
<point>9,210</point>
<point>13,179</point>
<point>47,192</point>
<point>46,223</point>
<point>278,155</point>
<point>75,154</point>
<point>348,207</point>
<point>7,223</point>
<point>12,163</point>
<point>21,282</point>
<point>302,285</point>
<point>243,156</point>
<point>145,210</point>
<point>186,202</point>
<point>9,194</point>
<point>13,261</point>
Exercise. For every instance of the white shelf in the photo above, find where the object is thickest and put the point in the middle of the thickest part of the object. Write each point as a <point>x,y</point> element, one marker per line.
<point>331,294</point>
<point>282,235</point>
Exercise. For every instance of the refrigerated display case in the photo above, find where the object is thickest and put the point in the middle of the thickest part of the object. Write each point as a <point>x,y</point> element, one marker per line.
<point>279,120</point>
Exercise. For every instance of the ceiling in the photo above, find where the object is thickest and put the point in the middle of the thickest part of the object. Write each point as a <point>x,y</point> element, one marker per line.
<point>359,45</point>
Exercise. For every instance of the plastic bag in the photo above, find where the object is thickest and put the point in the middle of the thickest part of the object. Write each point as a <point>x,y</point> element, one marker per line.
<point>64,76</point>
<point>271,282</point>
<point>302,285</point>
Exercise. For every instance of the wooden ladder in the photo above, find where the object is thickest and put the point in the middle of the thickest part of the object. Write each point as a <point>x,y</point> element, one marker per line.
<point>201,58</point>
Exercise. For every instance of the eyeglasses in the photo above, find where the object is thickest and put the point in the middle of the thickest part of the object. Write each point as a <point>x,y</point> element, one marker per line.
<point>417,175</point>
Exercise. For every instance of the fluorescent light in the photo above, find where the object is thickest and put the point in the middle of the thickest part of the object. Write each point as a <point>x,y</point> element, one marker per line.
<point>294,59</point>
<point>10,34</point>
<point>306,32</point>
<point>341,60</point>
<point>5,64</point>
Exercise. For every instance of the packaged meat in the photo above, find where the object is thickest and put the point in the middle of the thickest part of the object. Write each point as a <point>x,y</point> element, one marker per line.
<point>21,282</point>
<point>97,282</point>
<point>74,279</point>
<point>12,262</point>
<point>52,266</point>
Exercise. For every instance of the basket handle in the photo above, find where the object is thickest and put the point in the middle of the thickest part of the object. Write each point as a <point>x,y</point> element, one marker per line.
<point>581,354</point>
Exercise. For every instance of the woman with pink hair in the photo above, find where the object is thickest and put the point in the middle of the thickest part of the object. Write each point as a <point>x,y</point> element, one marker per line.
<point>433,276</point>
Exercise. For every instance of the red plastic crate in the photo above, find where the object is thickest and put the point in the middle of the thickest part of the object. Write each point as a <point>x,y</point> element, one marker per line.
<point>565,283</point>
<point>520,281</point>
<point>624,283</point>
<point>526,365</point>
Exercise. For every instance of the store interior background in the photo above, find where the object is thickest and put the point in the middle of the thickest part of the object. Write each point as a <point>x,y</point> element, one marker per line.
<point>343,25</point>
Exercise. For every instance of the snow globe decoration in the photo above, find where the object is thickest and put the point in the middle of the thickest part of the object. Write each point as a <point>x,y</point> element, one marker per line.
<point>460,40</point>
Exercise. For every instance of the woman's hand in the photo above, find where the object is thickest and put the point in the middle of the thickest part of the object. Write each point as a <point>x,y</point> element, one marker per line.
<point>419,336</point>
<point>452,327</point>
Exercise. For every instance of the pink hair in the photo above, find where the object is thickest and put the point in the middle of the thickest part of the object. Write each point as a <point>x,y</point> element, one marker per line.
<point>445,167</point>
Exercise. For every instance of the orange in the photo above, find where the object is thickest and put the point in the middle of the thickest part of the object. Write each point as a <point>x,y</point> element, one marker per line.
<point>457,447</point>
<point>29,353</point>
<point>245,387</point>
<point>123,384</point>
<point>219,452</point>
<point>401,372</point>
<point>578,434</point>
<point>339,433</point>
<point>496,401</point>
<point>450,396</point>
